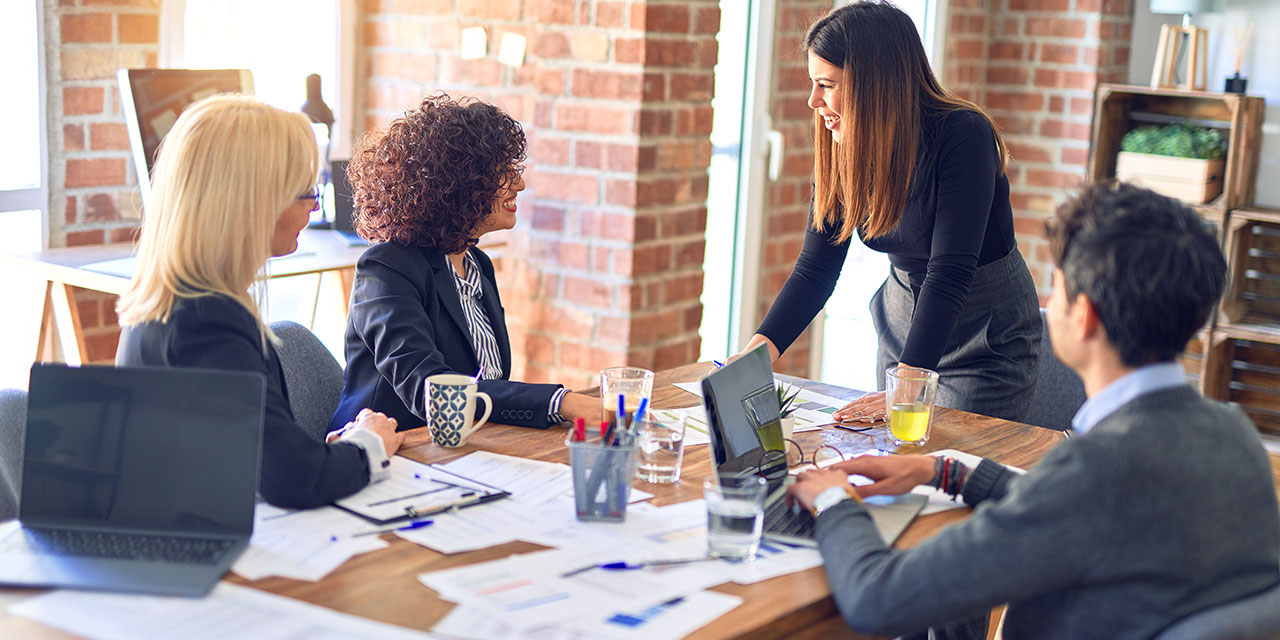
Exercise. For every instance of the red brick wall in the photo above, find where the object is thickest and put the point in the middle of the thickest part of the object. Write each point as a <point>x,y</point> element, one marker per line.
<point>1033,64</point>
<point>93,193</point>
<point>606,265</point>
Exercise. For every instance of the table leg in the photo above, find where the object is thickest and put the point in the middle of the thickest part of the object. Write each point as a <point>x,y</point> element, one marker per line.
<point>67,315</point>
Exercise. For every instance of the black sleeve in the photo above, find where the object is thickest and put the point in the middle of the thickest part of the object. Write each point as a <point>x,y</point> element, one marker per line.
<point>297,472</point>
<point>967,169</point>
<point>389,312</point>
<point>807,288</point>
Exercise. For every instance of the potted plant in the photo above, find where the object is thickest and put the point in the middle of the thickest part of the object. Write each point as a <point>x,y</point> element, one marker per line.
<point>787,395</point>
<point>1178,160</point>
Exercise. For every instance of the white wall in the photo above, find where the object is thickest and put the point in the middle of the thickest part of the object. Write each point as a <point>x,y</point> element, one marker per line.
<point>1259,65</point>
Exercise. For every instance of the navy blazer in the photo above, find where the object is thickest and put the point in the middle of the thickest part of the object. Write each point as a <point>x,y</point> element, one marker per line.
<point>406,323</point>
<point>216,332</point>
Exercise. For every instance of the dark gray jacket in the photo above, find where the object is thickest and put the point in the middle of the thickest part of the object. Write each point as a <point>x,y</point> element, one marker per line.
<point>1166,507</point>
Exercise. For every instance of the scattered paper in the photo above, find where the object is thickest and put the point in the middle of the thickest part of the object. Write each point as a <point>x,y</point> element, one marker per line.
<point>229,611</point>
<point>304,544</point>
<point>668,620</point>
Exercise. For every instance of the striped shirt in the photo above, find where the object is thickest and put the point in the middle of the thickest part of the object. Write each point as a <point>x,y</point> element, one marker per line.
<point>483,341</point>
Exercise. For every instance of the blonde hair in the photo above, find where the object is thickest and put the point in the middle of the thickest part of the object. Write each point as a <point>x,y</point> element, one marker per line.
<point>225,172</point>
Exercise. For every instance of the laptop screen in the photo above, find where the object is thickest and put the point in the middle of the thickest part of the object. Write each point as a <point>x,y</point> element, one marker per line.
<point>743,413</point>
<point>165,450</point>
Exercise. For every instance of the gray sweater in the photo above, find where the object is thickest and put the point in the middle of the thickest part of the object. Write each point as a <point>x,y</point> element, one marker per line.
<point>1166,507</point>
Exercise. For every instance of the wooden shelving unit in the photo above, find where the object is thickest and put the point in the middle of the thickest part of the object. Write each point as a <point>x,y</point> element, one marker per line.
<point>1235,358</point>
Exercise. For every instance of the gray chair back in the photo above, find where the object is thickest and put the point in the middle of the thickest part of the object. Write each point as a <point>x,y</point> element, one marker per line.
<point>313,377</point>
<point>13,424</point>
<point>1254,618</point>
<point>1059,391</point>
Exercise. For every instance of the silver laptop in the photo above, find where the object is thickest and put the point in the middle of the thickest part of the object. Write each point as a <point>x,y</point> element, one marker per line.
<point>135,479</point>
<point>742,409</point>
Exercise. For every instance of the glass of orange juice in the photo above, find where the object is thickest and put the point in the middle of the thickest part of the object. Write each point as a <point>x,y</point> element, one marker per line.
<point>908,397</point>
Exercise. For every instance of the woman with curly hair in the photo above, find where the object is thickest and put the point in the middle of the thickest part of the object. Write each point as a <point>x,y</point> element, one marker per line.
<point>233,185</point>
<point>424,300</point>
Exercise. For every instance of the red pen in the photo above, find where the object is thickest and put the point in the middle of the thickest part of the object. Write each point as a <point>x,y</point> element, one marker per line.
<point>580,430</point>
<point>604,432</point>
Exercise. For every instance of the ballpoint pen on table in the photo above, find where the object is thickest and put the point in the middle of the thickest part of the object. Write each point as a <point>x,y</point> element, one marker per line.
<point>400,527</point>
<point>627,566</point>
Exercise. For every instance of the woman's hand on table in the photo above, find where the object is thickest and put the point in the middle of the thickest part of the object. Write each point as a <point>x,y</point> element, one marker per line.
<point>868,408</point>
<point>379,424</point>
<point>890,475</point>
<point>575,405</point>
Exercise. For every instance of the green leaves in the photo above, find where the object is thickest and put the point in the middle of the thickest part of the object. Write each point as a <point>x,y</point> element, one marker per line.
<point>1177,140</point>
<point>786,397</point>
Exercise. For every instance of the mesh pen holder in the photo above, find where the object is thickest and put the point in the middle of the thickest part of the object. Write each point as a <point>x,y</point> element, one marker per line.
<point>602,476</point>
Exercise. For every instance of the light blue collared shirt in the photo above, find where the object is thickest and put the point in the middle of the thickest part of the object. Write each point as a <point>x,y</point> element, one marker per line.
<point>1140,381</point>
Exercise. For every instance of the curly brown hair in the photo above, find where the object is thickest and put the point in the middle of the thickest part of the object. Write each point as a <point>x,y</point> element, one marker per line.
<point>430,179</point>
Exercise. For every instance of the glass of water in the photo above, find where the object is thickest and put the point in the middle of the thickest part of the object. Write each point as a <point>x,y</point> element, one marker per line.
<point>735,515</point>
<point>660,448</point>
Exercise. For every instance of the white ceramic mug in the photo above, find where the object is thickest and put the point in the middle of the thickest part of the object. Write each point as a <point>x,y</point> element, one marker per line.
<point>451,408</point>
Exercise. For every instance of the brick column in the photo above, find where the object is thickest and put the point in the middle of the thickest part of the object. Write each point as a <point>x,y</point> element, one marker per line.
<point>605,267</point>
<point>93,192</point>
<point>1036,76</point>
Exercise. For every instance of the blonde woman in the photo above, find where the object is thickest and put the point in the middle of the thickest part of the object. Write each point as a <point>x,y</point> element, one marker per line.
<point>234,184</point>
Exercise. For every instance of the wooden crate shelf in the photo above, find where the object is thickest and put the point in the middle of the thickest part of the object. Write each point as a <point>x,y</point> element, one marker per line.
<point>1253,258</point>
<point>1247,374</point>
<point>1119,109</point>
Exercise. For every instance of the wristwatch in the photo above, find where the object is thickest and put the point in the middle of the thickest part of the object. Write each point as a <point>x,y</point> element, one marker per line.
<point>830,497</point>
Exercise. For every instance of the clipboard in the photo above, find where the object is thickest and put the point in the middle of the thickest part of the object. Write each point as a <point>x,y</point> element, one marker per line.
<point>416,490</point>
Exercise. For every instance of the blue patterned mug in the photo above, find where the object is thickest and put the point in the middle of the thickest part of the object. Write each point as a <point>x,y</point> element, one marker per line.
<point>451,408</point>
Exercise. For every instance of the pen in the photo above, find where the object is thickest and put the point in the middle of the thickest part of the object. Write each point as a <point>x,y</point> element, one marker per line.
<point>627,566</point>
<point>644,404</point>
<point>622,411</point>
<point>580,430</point>
<point>717,363</point>
<point>402,527</point>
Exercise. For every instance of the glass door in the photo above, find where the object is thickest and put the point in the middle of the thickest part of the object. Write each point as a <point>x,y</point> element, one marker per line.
<point>741,136</point>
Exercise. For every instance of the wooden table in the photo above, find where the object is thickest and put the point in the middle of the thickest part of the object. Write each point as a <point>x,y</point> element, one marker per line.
<point>319,252</point>
<point>383,585</point>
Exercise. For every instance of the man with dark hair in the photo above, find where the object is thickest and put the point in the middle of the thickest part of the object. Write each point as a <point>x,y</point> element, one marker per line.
<point>1164,504</point>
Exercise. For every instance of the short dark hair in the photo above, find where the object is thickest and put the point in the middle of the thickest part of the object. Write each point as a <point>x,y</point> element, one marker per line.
<point>1149,264</point>
<point>430,179</point>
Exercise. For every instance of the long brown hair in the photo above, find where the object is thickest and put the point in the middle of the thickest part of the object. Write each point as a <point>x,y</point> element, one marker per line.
<point>863,181</point>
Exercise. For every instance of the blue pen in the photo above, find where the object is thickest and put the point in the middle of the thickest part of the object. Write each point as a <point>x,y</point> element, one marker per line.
<point>622,411</point>
<point>406,527</point>
<point>644,404</point>
<point>717,363</point>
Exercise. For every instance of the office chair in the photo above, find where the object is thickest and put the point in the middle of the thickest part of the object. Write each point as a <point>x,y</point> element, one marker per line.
<point>13,423</point>
<point>1256,617</point>
<point>1059,391</point>
<point>313,377</point>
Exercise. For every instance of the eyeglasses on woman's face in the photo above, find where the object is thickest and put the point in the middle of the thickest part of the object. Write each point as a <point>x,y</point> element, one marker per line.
<point>315,195</point>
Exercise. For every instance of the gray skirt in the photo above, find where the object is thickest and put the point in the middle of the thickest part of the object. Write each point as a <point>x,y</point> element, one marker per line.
<point>989,365</point>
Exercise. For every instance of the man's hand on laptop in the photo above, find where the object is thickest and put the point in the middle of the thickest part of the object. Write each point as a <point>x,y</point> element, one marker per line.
<point>379,424</point>
<point>890,475</point>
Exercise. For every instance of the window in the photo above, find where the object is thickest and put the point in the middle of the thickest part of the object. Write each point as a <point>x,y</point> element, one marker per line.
<point>280,41</point>
<point>24,193</point>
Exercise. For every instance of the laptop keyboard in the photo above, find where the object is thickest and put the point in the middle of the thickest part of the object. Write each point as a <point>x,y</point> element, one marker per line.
<point>780,519</point>
<point>97,544</point>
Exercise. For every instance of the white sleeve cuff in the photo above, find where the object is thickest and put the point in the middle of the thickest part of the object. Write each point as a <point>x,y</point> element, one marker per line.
<point>374,451</point>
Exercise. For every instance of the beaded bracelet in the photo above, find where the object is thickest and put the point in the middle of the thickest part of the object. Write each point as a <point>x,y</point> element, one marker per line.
<point>949,476</point>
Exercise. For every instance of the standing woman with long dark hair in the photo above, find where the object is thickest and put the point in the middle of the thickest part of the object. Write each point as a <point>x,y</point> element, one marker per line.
<point>919,174</point>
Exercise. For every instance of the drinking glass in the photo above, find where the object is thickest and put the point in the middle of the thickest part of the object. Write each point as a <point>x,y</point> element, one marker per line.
<point>735,515</point>
<point>908,397</point>
<point>633,383</point>
<point>660,448</point>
